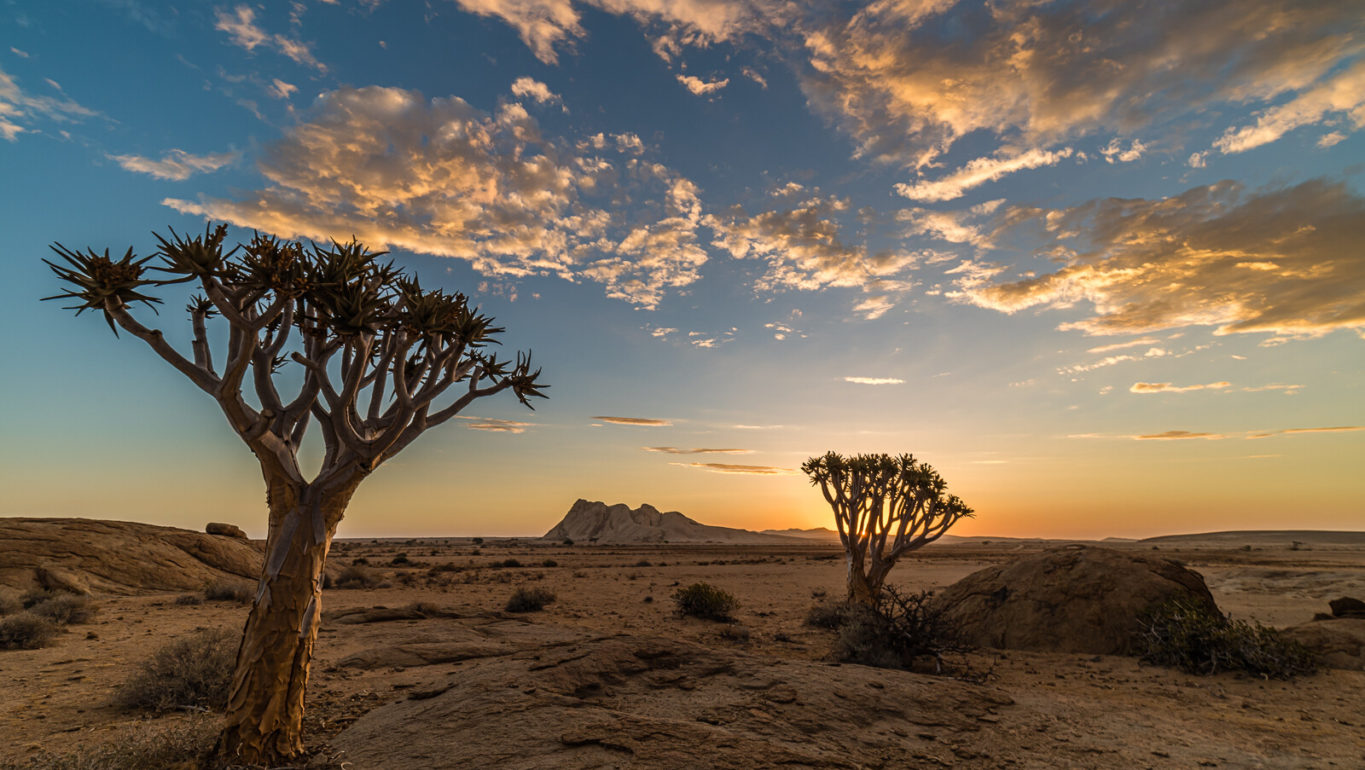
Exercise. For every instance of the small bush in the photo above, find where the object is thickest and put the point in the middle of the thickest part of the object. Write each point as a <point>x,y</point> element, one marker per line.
<point>1199,640</point>
<point>228,591</point>
<point>65,609</point>
<point>25,631</point>
<point>703,600</point>
<point>506,563</point>
<point>829,615</point>
<point>192,672</point>
<point>549,563</point>
<point>898,630</point>
<point>144,745</point>
<point>356,576</point>
<point>400,560</point>
<point>188,600</point>
<point>10,605</point>
<point>360,561</point>
<point>643,563</point>
<point>530,599</point>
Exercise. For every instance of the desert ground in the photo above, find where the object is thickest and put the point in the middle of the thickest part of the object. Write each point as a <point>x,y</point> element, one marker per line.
<point>464,683</point>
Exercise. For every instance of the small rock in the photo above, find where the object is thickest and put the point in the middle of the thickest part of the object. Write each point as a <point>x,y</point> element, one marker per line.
<point>226,530</point>
<point>1347,607</point>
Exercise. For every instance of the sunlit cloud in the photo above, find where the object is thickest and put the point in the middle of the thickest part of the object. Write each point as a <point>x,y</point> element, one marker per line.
<point>1114,152</point>
<point>280,89</point>
<point>19,110</point>
<point>1122,345</point>
<point>637,421</point>
<point>752,470</point>
<point>672,450</point>
<point>907,87</point>
<point>1166,387</point>
<point>1281,261</point>
<point>443,178</point>
<point>978,172</point>
<point>176,165</point>
<point>496,425</point>
<point>240,25</point>
<point>700,87</point>
<point>875,380</point>
<point>1176,435</point>
<point>534,89</point>
<point>1342,94</point>
<point>1298,431</point>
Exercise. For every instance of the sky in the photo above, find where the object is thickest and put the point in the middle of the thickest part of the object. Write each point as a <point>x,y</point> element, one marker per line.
<point>1100,264</point>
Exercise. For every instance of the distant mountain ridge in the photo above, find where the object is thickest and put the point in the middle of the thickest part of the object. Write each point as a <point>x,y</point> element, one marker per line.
<point>597,522</point>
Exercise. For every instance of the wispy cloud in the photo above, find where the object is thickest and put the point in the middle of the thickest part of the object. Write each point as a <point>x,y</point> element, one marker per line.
<point>1298,431</point>
<point>19,110</point>
<point>240,25</point>
<point>495,425</point>
<point>875,380</point>
<point>176,165</point>
<point>1342,94</point>
<point>1166,387</point>
<point>672,450</point>
<point>1176,435</point>
<point>1123,345</point>
<point>640,421</point>
<point>753,470</point>
<point>280,89</point>
<point>701,87</point>
<point>978,172</point>
<point>1274,261</point>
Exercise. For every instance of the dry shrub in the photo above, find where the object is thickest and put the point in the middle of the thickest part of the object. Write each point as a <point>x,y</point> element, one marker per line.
<point>188,600</point>
<point>529,599</point>
<point>25,631</point>
<point>1199,640</point>
<point>899,631</point>
<point>192,672</point>
<point>228,591</point>
<point>65,609</point>
<point>829,615</point>
<point>356,576</point>
<point>144,745</point>
<point>10,604</point>
<point>703,600</point>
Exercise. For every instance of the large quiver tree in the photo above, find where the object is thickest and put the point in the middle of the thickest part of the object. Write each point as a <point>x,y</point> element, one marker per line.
<point>884,507</point>
<point>370,357</point>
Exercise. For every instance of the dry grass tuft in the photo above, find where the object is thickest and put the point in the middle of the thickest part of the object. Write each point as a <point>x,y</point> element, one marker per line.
<point>190,673</point>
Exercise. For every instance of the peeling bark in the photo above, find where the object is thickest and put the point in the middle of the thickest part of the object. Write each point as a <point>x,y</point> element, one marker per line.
<point>264,722</point>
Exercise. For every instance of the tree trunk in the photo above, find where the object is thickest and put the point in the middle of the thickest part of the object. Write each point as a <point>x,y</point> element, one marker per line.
<point>860,591</point>
<point>264,722</point>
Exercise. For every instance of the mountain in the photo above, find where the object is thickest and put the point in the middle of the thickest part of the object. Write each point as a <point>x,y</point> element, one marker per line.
<point>597,522</point>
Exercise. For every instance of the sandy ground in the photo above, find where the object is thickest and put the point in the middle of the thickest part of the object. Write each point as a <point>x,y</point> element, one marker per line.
<point>1069,711</point>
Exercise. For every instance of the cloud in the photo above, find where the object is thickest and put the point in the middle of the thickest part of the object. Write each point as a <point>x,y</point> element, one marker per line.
<point>978,172</point>
<point>700,87</point>
<point>530,87</point>
<point>280,89</point>
<point>907,83</point>
<point>1166,387</point>
<point>18,108</point>
<point>495,425</point>
<point>1330,139</point>
<point>1283,261</point>
<point>672,450</point>
<point>176,165</point>
<point>546,26</point>
<point>1297,431</point>
<point>804,251</point>
<point>240,25</point>
<point>1174,435</point>
<point>1121,345</point>
<point>1114,152</point>
<point>640,421</point>
<point>1344,93</point>
<point>752,470</point>
<point>440,177</point>
<point>874,380</point>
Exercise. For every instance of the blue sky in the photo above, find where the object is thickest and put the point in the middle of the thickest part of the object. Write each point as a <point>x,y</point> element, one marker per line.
<point>1099,263</point>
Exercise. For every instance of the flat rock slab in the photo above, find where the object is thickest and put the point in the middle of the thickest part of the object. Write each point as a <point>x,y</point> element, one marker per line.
<point>648,702</point>
<point>474,638</point>
<point>119,557</point>
<point>1340,641</point>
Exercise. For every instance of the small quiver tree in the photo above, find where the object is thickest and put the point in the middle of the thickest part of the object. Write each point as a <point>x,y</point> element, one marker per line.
<point>884,507</point>
<point>364,352</point>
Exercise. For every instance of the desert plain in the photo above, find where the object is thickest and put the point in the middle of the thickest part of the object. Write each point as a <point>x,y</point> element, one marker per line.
<point>427,668</point>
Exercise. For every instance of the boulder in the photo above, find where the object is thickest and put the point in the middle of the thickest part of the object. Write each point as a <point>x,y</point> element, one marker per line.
<point>226,530</point>
<point>1347,607</point>
<point>1076,598</point>
<point>1340,641</point>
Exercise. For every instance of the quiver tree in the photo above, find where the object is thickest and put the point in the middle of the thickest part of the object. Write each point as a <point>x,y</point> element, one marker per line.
<point>361,350</point>
<point>884,507</point>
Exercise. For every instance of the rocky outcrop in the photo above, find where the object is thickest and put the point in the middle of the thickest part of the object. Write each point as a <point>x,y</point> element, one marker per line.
<point>119,557</point>
<point>1347,607</point>
<point>597,522</point>
<point>1340,642</point>
<point>226,530</point>
<point>627,701</point>
<point>1074,599</point>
